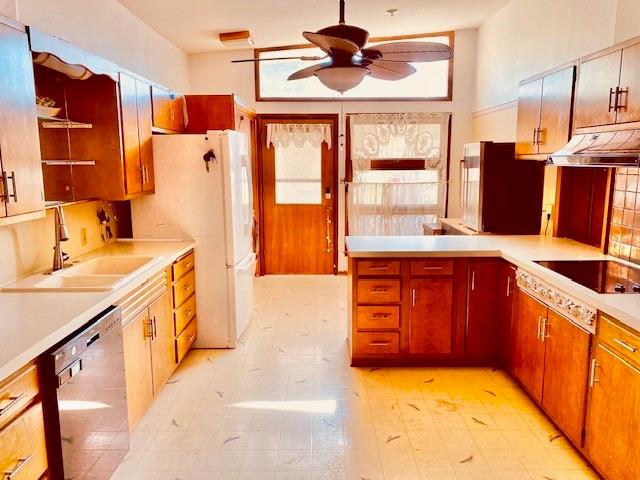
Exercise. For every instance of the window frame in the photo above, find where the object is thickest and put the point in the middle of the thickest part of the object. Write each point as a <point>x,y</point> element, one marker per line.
<point>446,98</point>
<point>390,164</point>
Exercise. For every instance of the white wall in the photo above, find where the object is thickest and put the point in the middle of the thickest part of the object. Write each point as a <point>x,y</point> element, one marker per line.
<point>527,37</point>
<point>213,73</point>
<point>106,28</point>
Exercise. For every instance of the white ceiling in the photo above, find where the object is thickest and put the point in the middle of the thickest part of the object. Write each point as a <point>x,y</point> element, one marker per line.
<point>193,25</point>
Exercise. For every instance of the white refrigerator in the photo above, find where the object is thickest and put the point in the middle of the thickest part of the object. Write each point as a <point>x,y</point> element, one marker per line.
<point>203,191</point>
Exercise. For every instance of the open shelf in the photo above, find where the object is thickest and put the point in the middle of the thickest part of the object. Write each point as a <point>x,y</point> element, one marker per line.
<point>55,122</point>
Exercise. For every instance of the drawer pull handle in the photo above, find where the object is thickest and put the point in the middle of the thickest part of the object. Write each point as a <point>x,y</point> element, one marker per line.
<point>13,401</point>
<point>379,344</point>
<point>188,313</point>
<point>380,268</point>
<point>592,373</point>
<point>379,290</point>
<point>188,288</point>
<point>22,462</point>
<point>626,345</point>
<point>188,265</point>
<point>432,268</point>
<point>191,338</point>
<point>380,316</point>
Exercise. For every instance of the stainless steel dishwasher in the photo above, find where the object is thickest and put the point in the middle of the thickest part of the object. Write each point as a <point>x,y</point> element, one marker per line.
<point>91,399</point>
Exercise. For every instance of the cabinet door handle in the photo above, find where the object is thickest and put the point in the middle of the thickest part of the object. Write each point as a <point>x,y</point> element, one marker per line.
<point>149,328</point>
<point>592,373</point>
<point>13,401</point>
<point>539,334</point>
<point>619,93</point>
<point>508,286</point>
<point>473,280</point>
<point>413,297</point>
<point>535,136</point>
<point>625,345</point>
<point>155,327</point>
<point>612,105</point>
<point>545,326</point>
<point>22,462</point>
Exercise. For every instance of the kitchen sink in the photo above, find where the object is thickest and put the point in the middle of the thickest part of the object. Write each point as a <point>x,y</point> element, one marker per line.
<point>114,265</point>
<point>98,274</point>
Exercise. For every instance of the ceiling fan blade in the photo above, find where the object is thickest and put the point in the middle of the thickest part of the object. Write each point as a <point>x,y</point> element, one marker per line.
<point>409,52</point>
<point>329,44</point>
<point>390,70</point>
<point>303,58</point>
<point>308,72</point>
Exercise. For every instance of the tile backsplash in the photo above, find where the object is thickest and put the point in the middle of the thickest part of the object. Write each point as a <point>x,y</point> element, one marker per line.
<point>624,235</point>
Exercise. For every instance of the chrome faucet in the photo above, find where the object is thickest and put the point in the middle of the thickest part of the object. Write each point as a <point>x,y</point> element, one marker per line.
<point>62,235</point>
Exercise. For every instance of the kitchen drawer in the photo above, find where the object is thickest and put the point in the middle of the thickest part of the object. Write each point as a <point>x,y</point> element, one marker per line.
<point>372,344</point>
<point>623,340</point>
<point>185,313</point>
<point>23,455</point>
<point>183,265</point>
<point>17,392</point>
<point>378,267</point>
<point>378,291</point>
<point>432,267</point>
<point>184,288</point>
<point>378,317</point>
<point>186,339</point>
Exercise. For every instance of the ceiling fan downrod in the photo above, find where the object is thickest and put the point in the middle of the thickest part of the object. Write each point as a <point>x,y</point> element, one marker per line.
<point>342,22</point>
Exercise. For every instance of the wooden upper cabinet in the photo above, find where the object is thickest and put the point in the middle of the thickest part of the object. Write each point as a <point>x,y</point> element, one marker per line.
<point>565,374</point>
<point>629,90</point>
<point>130,139</point>
<point>482,321</point>
<point>613,419</point>
<point>595,94</point>
<point>145,134</point>
<point>135,102</point>
<point>528,349</point>
<point>218,112</point>
<point>544,113</point>
<point>529,103</point>
<point>431,316</point>
<point>167,109</point>
<point>21,187</point>
<point>556,110</point>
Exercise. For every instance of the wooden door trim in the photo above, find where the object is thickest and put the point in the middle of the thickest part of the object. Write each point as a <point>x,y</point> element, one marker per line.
<point>262,120</point>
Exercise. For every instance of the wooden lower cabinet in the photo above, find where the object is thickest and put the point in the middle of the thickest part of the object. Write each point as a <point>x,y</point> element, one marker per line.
<point>23,451</point>
<point>184,325</point>
<point>137,350</point>
<point>506,292</point>
<point>613,421</point>
<point>482,321</point>
<point>528,349</point>
<point>148,337</point>
<point>566,368</point>
<point>431,316</point>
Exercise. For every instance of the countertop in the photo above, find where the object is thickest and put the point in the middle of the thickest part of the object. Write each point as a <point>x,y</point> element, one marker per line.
<point>520,250</point>
<point>32,322</point>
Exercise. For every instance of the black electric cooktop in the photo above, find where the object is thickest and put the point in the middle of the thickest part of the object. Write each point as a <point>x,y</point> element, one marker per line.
<point>602,276</point>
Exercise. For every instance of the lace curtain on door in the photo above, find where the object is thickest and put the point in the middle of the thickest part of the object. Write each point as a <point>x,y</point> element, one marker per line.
<point>397,201</point>
<point>298,134</point>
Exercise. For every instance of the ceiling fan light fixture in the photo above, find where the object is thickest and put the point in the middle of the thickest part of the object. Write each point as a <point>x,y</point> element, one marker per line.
<point>341,79</point>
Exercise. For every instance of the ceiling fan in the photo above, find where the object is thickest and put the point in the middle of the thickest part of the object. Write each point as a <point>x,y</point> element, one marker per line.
<point>348,61</point>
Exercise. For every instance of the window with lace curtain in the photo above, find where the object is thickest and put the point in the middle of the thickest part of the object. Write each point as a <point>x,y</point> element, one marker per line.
<point>399,172</point>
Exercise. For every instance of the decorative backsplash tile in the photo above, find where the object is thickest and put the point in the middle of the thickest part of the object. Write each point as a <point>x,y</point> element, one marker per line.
<point>624,235</point>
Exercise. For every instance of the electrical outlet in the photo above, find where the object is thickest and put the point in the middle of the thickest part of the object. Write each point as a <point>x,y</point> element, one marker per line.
<point>83,236</point>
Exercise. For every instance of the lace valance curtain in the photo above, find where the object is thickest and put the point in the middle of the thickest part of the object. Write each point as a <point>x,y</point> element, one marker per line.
<point>397,202</point>
<point>284,134</point>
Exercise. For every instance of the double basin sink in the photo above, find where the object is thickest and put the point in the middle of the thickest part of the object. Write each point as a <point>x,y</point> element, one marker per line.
<point>98,274</point>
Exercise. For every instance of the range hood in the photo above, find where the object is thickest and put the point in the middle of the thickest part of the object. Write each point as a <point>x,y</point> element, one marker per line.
<point>604,149</point>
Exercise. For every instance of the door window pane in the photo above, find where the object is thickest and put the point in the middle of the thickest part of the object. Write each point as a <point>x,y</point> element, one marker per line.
<point>298,175</point>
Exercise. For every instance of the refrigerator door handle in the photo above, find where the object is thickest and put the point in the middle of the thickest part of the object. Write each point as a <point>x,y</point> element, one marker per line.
<point>462,183</point>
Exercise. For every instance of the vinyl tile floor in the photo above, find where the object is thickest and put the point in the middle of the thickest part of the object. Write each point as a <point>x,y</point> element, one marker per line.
<point>286,405</point>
